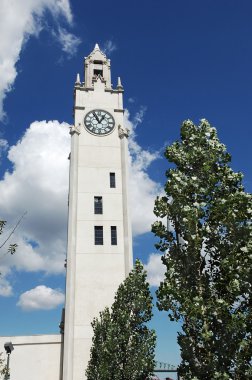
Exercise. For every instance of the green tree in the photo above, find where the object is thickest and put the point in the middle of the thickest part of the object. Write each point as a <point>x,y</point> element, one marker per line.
<point>100,357</point>
<point>207,245</point>
<point>123,346</point>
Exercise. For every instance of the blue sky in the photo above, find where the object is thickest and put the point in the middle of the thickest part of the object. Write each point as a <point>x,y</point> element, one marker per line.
<point>177,60</point>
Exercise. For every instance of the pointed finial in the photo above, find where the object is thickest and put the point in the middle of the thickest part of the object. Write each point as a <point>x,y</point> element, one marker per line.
<point>119,83</point>
<point>96,47</point>
<point>77,79</point>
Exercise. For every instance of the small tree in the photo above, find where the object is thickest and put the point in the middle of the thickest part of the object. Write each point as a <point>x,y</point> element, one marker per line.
<point>123,346</point>
<point>207,245</point>
<point>100,360</point>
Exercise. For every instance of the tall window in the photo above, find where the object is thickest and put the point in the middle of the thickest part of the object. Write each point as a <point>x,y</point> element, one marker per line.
<point>98,69</point>
<point>113,235</point>
<point>98,235</point>
<point>112,179</point>
<point>98,72</point>
<point>98,205</point>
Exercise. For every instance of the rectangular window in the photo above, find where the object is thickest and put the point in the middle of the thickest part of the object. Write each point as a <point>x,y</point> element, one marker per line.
<point>98,72</point>
<point>112,180</point>
<point>113,235</point>
<point>98,205</point>
<point>98,231</point>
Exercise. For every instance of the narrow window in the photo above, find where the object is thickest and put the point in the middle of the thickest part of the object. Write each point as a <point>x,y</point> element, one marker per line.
<point>98,68</point>
<point>98,205</point>
<point>112,180</point>
<point>113,235</point>
<point>98,72</point>
<point>98,230</point>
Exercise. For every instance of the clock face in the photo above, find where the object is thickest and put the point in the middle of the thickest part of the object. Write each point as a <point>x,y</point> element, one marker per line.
<point>99,122</point>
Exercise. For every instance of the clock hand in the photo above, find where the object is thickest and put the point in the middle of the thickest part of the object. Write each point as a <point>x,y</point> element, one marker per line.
<point>96,117</point>
<point>102,118</point>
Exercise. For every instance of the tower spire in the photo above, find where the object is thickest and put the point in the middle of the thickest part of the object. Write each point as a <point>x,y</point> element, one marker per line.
<point>119,84</point>
<point>77,82</point>
<point>97,66</point>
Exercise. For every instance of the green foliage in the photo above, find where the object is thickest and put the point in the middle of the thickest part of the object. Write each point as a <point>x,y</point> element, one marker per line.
<point>2,225</point>
<point>207,245</point>
<point>12,247</point>
<point>123,346</point>
<point>3,369</point>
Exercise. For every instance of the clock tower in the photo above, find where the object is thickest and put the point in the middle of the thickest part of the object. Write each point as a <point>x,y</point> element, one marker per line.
<point>99,251</point>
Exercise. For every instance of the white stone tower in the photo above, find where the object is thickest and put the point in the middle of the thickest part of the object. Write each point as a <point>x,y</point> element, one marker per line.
<point>99,253</point>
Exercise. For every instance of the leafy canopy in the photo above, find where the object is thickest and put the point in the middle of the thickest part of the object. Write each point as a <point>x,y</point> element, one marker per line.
<point>207,245</point>
<point>123,346</point>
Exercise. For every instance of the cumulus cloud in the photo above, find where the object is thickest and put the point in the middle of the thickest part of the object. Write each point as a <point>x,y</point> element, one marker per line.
<point>155,269</point>
<point>40,298</point>
<point>37,185</point>
<point>143,190</point>
<point>5,287</point>
<point>19,21</point>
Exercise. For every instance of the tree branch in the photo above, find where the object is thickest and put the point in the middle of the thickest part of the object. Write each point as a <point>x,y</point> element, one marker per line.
<point>13,230</point>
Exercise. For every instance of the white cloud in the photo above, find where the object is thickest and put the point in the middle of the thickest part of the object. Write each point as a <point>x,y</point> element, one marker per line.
<point>143,190</point>
<point>155,269</point>
<point>139,116</point>
<point>108,47</point>
<point>3,146</point>
<point>38,185</point>
<point>41,298</point>
<point>19,21</point>
<point>5,288</point>
<point>68,41</point>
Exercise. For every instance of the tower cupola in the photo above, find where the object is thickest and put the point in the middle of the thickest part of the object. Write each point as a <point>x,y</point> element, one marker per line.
<point>97,67</point>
